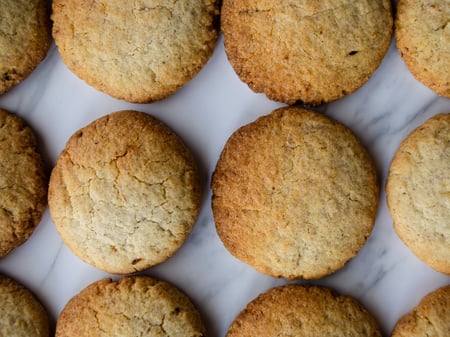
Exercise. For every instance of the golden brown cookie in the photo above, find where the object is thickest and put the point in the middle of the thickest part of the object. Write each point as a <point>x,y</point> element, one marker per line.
<point>24,39</point>
<point>296,310</point>
<point>140,50</point>
<point>431,317</point>
<point>21,314</point>
<point>310,51</point>
<point>133,306</point>
<point>125,192</point>
<point>23,182</point>
<point>294,194</point>
<point>423,40</point>
<point>418,192</point>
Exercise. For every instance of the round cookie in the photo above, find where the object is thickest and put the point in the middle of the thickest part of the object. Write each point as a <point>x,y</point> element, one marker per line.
<point>24,39</point>
<point>424,44</point>
<point>308,51</point>
<point>418,192</point>
<point>21,314</point>
<point>23,182</point>
<point>296,310</point>
<point>125,192</point>
<point>294,194</point>
<point>133,306</point>
<point>139,51</point>
<point>431,317</point>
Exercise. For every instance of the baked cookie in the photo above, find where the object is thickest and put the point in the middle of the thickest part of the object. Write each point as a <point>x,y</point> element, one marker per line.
<point>418,192</point>
<point>139,51</point>
<point>294,194</point>
<point>133,306</point>
<point>431,317</point>
<point>23,182</point>
<point>24,39</point>
<point>425,44</point>
<point>296,310</point>
<point>125,192</point>
<point>21,314</point>
<point>309,51</point>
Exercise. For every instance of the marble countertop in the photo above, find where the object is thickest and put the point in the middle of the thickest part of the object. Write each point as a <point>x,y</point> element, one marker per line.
<point>385,276</point>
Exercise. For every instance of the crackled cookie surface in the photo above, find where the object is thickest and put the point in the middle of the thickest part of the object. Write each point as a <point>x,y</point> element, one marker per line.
<point>124,193</point>
<point>23,182</point>
<point>24,39</point>
<point>307,50</point>
<point>139,51</point>
<point>294,194</point>
<point>21,314</point>
<point>133,306</point>
<point>296,310</point>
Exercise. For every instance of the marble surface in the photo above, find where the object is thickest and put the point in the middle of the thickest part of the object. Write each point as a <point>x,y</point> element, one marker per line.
<point>385,276</point>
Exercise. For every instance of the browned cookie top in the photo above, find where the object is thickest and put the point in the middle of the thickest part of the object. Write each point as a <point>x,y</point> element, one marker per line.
<point>423,39</point>
<point>431,317</point>
<point>296,310</point>
<point>139,50</point>
<point>24,39</point>
<point>294,194</point>
<point>310,51</point>
<point>23,182</point>
<point>418,192</point>
<point>133,306</point>
<point>21,314</point>
<point>125,192</point>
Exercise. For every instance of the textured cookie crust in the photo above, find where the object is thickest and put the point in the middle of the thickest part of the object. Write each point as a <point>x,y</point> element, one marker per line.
<point>124,193</point>
<point>23,182</point>
<point>296,310</point>
<point>424,43</point>
<point>24,39</point>
<point>133,306</point>
<point>294,194</point>
<point>137,50</point>
<point>21,314</point>
<point>309,51</point>
<point>418,192</point>
<point>431,317</point>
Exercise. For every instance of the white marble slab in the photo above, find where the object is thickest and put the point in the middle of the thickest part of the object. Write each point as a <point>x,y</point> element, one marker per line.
<point>385,276</point>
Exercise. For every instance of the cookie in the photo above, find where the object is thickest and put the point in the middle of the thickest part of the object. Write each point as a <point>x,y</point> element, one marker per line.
<point>133,306</point>
<point>124,193</point>
<point>418,192</point>
<point>296,310</point>
<point>431,317</point>
<point>308,51</point>
<point>138,51</point>
<point>23,182</point>
<point>424,44</point>
<point>24,39</point>
<point>294,194</point>
<point>21,314</point>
